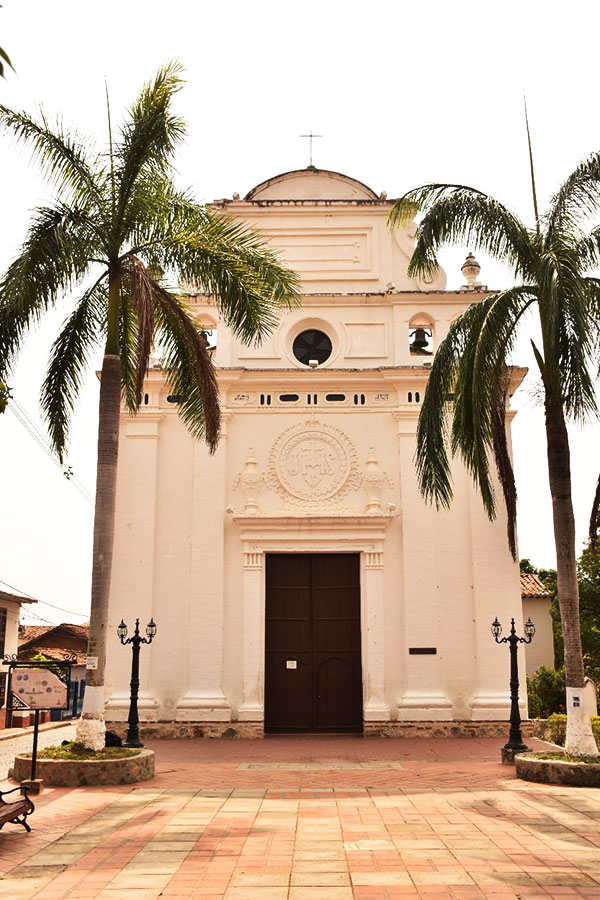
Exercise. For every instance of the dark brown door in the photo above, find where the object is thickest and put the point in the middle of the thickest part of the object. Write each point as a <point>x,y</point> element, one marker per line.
<point>313,662</point>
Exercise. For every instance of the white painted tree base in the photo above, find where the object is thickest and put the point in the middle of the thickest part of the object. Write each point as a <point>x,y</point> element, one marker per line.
<point>580,739</point>
<point>91,733</point>
<point>90,728</point>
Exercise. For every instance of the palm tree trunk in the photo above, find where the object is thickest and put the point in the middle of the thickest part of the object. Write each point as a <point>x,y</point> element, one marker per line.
<point>91,729</point>
<point>580,739</point>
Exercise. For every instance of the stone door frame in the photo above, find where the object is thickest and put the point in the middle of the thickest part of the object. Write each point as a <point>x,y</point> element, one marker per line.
<point>363,534</point>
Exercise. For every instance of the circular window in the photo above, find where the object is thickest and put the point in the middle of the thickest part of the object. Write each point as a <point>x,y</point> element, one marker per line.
<point>312,345</point>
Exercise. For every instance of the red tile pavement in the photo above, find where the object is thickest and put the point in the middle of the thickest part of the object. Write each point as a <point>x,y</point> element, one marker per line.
<point>312,819</point>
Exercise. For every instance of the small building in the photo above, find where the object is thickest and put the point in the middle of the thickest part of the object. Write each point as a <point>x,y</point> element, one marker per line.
<point>536,606</point>
<point>59,642</point>
<point>10,610</point>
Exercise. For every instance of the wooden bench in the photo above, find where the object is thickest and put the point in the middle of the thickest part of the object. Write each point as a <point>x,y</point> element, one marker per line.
<point>18,810</point>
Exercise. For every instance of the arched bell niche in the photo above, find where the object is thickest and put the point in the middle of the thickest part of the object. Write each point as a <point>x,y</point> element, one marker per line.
<point>421,335</point>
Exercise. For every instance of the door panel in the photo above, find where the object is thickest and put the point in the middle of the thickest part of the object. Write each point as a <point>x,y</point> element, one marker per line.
<point>313,678</point>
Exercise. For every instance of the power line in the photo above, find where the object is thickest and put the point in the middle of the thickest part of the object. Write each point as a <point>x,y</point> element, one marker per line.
<point>44,602</point>
<point>32,429</point>
<point>30,612</point>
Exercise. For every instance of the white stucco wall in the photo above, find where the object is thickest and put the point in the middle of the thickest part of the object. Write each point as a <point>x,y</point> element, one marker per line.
<point>541,650</point>
<point>193,530</point>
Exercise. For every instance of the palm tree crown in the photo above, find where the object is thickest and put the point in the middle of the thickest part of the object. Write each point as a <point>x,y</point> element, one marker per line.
<point>117,226</point>
<point>119,221</point>
<point>551,264</point>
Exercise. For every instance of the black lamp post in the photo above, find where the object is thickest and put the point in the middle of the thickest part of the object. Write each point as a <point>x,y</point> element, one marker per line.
<point>515,738</point>
<point>133,733</point>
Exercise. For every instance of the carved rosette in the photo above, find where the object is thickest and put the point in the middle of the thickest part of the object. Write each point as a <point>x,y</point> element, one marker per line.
<point>313,464</point>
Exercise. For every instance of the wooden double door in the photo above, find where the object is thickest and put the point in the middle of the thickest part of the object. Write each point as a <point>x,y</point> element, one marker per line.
<point>313,680</point>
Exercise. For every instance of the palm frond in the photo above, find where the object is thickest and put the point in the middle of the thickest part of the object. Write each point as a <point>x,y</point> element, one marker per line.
<point>228,259</point>
<point>479,427</point>
<point>504,465</point>
<point>128,339</point>
<point>65,159</point>
<point>150,136</point>
<point>588,250</point>
<point>433,428</point>
<point>54,257</point>
<point>140,287</point>
<point>81,334</point>
<point>470,367</point>
<point>188,367</point>
<point>568,328</point>
<point>577,198</point>
<point>593,527</point>
<point>4,58</point>
<point>454,213</point>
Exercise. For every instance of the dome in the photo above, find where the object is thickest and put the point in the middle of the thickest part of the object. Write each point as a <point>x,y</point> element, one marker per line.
<point>311,184</point>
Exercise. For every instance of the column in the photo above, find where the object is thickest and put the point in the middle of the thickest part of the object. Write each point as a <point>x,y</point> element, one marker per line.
<point>497,592</point>
<point>424,698</point>
<point>204,699</point>
<point>252,708</point>
<point>133,575</point>
<point>376,709</point>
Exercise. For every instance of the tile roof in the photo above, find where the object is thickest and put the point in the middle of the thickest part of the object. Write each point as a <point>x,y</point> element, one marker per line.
<point>28,633</point>
<point>16,598</point>
<point>531,586</point>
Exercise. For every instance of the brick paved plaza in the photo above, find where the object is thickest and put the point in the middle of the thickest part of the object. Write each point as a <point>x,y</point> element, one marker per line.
<point>312,819</point>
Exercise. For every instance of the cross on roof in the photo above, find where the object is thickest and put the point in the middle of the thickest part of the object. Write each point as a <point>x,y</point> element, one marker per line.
<point>311,136</point>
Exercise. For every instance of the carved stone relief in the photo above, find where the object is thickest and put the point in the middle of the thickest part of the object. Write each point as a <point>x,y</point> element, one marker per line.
<point>313,464</point>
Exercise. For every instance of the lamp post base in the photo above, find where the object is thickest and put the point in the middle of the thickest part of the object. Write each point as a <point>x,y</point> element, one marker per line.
<point>508,754</point>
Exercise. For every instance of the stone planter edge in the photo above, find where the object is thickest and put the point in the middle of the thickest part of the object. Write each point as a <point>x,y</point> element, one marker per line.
<point>555,771</point>
<point>88,772</point>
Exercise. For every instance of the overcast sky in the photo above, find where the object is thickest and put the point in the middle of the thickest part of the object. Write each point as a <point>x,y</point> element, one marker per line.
<point>402,93</point>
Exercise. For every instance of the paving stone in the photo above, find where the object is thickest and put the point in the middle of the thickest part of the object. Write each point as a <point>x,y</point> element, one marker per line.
<point>257,893</point>
<point>380,879</point>
<point>320,879</point>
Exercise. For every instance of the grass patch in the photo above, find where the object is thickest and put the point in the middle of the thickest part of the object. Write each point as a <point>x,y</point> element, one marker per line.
<point>74,751</point>
<point>568,757</point>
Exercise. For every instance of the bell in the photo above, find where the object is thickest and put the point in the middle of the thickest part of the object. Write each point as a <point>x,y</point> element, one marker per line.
<point>421,342</point>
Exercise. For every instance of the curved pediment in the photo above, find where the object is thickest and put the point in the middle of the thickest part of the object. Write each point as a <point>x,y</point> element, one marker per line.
<point>311,184</point>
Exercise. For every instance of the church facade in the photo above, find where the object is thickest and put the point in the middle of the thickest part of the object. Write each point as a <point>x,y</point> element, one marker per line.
<point>298,580</point>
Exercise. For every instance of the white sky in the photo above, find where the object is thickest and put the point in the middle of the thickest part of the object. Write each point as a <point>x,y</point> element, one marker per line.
<point>403,94</point>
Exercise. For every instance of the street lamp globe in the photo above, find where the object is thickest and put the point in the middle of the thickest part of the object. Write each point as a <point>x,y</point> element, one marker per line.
<point>122,630</point>
<point>529,628</point>
<point>151,629</point>
<point>496,628</point>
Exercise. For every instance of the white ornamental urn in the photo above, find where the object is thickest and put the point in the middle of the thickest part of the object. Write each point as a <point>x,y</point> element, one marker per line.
<point>373,480</point>
<point>250,481</point>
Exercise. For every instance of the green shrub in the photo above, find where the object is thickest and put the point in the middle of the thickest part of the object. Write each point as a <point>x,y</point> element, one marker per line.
<point>546,692</point>
<point>557,729</point>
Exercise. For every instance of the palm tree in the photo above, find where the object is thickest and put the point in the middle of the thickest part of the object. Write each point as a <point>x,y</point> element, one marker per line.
<point>550,263</point>
<point>118,224</point>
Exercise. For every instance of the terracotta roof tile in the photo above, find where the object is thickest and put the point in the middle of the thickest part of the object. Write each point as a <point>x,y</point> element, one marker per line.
<point>16,598</point>
<point>531,586</point>
<point>28,633</point>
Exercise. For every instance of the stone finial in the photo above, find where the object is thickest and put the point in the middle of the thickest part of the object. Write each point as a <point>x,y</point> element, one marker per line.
<point>383,195</point>
<point>250,481</point>
<point>236,196</point>
<point>373,481</point>
<point>471,269</point>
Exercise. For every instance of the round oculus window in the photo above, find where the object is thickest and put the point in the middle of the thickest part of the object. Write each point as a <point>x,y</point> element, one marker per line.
<point>312,345</point>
